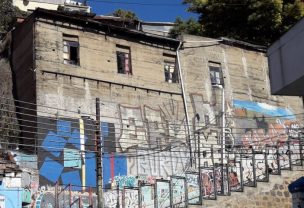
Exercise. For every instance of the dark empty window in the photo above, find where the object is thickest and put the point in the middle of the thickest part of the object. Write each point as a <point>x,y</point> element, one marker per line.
<point>170,69</point>
<point>216,75</point>
<point>207,120</point>
<point>70,50</point>
<point>123,55</point>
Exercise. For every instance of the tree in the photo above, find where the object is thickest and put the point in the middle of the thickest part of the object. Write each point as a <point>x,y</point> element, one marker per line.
<point>256,21</point>
<point>8,14</point>
<point>125,14</point>
<point>190,26</point>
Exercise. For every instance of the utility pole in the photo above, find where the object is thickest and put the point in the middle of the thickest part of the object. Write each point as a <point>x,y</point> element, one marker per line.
<point>199,149</point>
<point>99,157</point>
<point>223,140</point>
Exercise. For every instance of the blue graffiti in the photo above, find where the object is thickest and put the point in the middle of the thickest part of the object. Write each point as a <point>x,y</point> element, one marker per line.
<point>63,161</point>
<point>58,157</point>
<point>264,108</point>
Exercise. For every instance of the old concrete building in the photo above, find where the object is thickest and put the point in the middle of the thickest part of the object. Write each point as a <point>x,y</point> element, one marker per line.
<point>285,62</point>
<point>31,5</point>
<point>193,118</point>
<point>227,85</point>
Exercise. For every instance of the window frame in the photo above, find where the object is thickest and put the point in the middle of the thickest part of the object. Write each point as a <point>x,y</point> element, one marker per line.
<point>169,61</point>
<point>215,73</point>
<point>70,41</point>
<point>123,53</point>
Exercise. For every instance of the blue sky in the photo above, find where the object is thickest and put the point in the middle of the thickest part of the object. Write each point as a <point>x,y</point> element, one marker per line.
<point>147,10</point>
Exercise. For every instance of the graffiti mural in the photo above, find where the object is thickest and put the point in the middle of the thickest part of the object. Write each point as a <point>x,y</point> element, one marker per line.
<point>159,163</point>
<point>149,127</point>
<point>260,124</point>
<point>46,197</point>
<point>67,152</point>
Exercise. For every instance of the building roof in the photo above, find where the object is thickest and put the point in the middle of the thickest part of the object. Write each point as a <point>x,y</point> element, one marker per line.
<point>201,41</point>
<point>243,44</point>
<point>57,2</point>
<point>89,20</point>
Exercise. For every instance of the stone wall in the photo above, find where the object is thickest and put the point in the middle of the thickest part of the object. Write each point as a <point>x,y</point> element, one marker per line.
<point>8,121</point>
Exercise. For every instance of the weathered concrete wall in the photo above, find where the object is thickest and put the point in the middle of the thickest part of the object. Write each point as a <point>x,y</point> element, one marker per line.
<point>140,127</point>
<point>249,106</point>
<point>245,75</point>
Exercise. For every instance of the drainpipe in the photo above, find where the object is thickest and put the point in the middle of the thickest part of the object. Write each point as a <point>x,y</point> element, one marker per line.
<point>184,101</point>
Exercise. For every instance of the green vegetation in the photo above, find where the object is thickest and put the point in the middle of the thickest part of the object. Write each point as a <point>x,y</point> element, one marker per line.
<point>125,14</point>
<point>8,14</point>
<point>256,21</point>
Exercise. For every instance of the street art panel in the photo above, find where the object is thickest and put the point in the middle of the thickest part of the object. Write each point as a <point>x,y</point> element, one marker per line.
<point>130,198</point>
<point>296,152</point>
<point>193,188</point>
<point>284,156</point>
<point>235,176</point>
<point>273,160</point>
<point>248,169</point>
<point>221,181</point>
<point>163,194</point>
<point>146,196</point>
<point>208,183</point>
<point>261,167</point>
<point>113,198</point>
<point>178,190</point>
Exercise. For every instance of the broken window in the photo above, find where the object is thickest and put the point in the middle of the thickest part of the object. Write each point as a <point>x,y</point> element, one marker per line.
<point>123,54</point>
<point>216,75</point>
<point>70,50</point>
<point>170,69</point>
